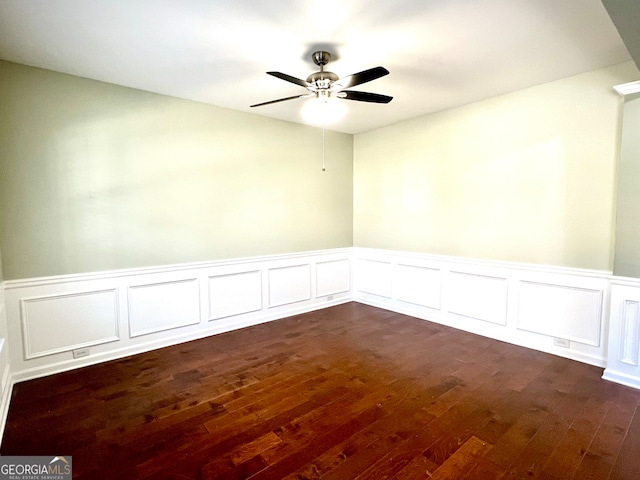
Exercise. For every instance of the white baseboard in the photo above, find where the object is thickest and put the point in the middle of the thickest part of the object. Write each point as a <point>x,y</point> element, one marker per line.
<point>629,380</point>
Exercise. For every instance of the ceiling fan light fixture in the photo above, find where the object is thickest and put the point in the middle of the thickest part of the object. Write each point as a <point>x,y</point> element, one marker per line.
<point>323,110</point>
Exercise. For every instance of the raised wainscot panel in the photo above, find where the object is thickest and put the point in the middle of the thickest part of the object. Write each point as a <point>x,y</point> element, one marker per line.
<point>562,311</point>
<point>418,285</point>
<point>476,296</point>
<point>374,277</point>
<point>60,323</point>
<point>235,294</point>
<point>623,362</point>
<point>289,284</point>
<point>163,306</point>
<point>333,277</point>
<point>630,333</point>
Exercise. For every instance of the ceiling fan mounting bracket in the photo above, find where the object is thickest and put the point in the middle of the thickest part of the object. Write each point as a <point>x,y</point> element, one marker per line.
<point>321,58</point>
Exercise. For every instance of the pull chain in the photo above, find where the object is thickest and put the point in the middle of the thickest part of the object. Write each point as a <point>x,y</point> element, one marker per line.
<point>323,169</point>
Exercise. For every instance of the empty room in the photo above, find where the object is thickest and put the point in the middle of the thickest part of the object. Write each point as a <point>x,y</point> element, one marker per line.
<point>320,239</point>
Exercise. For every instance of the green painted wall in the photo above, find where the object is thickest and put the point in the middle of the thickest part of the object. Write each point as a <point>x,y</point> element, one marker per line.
<point>627,244</point>
<point>525,177</point>
<point>96,177</point>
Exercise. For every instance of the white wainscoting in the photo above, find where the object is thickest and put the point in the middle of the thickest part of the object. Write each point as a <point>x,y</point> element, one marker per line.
<point>289,284</point>
<point>478,297</point>
<point>562,311</point>
<point>59,323</point>
<point>419,285</point>
<point>6,382</point>
<point>156,307</point>
<point>557,310</point>
<point>333,277</point>
<point>623,364</point>
<point>234,294</point>
<point>374,277</point>
<point>119,313</point>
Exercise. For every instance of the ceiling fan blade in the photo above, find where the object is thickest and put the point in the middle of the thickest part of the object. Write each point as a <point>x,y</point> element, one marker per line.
<point>289,78</point>
<point>279,100</point>
<point>365,96</point>
<point>361,77</point>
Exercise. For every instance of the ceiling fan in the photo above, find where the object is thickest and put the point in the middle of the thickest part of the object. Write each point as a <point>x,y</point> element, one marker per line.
<point>325,85</point>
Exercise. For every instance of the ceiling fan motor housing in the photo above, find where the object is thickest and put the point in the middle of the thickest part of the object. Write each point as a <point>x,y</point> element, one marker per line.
<point>322,79</point>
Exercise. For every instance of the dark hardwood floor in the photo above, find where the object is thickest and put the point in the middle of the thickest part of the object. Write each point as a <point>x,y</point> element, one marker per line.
<point>350,392</point>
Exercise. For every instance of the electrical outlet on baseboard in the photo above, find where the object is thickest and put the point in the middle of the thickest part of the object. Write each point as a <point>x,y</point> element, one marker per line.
<point>80,352</point>
<point>329,298</point>
<point>561,342</point>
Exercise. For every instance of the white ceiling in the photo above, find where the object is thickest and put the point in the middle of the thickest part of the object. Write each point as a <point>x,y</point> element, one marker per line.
<point>441,53</point>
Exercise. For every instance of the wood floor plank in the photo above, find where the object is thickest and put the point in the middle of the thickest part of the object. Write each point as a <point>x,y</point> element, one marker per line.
<point>506,412</point>
<point>567,456</point>
<point>628,461</point>
<point>599,460</point>
<point>464,459</point>
<point>321,443</point>
<point>334,456</point>
<point>482,470</point>
<point>419,468</point>
<point>402,416</point>
<point>548,437</point>
<point>348,392</point>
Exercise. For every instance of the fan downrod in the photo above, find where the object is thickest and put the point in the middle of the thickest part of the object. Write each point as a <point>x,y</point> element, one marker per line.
<point>323,78</point>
